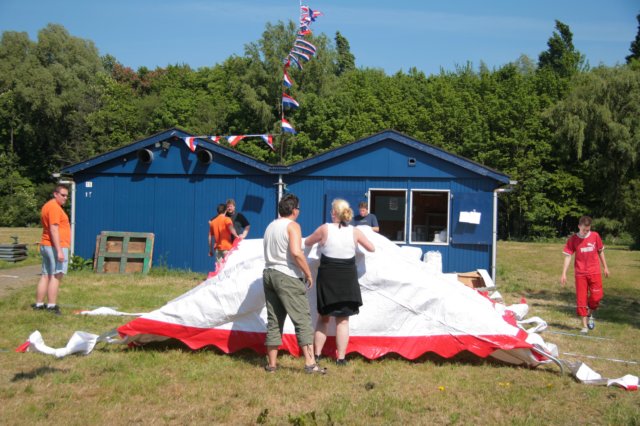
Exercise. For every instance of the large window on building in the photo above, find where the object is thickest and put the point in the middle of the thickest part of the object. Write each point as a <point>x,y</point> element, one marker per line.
<point>389,206</point>
<point>429,217</point>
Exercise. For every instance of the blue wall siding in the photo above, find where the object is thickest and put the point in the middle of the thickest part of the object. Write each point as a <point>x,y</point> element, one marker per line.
<point>94,211</point>
<point>389,159</point>
<point>175,196</point>
<point>176,209</point>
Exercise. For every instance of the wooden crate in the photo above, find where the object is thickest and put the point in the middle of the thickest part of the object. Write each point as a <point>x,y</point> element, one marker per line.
<point>123,252</point>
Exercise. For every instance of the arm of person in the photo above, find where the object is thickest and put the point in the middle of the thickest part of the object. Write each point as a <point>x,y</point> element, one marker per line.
<point>295,248</point>
<point>565,268</point>
<point>374,223</point>
<point>210,243</point>
<point>363,240</point>
<point>232,229</point>
<point>604,263</point>
<point>245,231</point>
<point>318,236</point>
<point>54,230</point>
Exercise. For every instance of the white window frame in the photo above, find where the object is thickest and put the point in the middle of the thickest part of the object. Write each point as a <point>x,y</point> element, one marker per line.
<point>406,209</point>
<point>448,221</point>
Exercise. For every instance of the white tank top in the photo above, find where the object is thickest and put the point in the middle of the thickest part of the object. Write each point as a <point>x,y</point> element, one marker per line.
<point>339,244</point>
<point>276,249</point>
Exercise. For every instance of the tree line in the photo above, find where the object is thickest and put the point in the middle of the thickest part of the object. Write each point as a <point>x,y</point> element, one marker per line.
<point>567,132</point>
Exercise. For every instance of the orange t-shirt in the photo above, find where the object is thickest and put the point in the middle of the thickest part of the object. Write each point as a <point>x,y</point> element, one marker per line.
<point>219,228</point>
<point>52,214</point>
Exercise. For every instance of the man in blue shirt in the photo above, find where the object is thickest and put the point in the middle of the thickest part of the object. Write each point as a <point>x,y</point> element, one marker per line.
<point>366,218</point>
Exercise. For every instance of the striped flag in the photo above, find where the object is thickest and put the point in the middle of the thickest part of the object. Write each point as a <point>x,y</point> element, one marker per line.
<point>288,101</point>
<point>287,80</point>
<point>233,140</point>
<point>268,140</point>
<point>295,61</point>
<point>300,42</point>
<point>216,139</point>
<point>286,127</point>
<point>302,55</point>
<point>191,143</point>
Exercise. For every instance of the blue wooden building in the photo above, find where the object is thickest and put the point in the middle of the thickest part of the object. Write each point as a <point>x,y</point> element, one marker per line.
<point>423,196</point>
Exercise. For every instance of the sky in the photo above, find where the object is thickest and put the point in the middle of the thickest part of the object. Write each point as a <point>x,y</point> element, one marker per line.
<point>391,35</point>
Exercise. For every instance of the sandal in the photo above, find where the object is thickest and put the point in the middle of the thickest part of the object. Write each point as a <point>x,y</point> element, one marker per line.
<point>270,369</point>
<point>314,369</point>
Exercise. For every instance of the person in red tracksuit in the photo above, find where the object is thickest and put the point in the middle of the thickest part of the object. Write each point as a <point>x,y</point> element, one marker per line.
<point>589,253</point>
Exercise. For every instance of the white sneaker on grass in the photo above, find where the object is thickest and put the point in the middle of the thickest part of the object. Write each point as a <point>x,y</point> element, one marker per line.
<point>585,330</point>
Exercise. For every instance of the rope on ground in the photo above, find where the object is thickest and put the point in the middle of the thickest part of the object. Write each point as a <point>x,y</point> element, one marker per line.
<point>578,335</point>
<point>597,357</point>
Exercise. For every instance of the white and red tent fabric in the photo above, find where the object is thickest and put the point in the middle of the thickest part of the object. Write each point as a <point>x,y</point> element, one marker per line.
<point>408,309</point>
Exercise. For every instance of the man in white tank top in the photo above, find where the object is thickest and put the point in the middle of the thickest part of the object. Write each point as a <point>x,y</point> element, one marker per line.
<point>286,279</point>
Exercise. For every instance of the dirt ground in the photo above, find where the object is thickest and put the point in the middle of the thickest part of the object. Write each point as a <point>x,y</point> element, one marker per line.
<point>17,278</point>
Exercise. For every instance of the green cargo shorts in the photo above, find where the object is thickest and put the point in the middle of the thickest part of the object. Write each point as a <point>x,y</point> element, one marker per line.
<point>286,295</point>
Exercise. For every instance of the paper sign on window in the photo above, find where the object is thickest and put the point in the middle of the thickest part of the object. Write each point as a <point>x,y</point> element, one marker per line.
<point>470,217</point>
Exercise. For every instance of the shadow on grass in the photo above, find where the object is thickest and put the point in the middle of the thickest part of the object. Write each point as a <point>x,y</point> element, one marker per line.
<point>247,356</point>
<point>613,307</point>
<point>37,372</point>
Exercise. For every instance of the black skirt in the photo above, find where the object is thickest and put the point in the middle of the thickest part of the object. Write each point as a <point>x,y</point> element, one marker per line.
<point>337,287</point>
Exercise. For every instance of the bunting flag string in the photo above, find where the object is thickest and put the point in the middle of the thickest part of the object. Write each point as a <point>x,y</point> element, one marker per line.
<point>301,51</point>
<point>268,139</point>
<point>192,141</point>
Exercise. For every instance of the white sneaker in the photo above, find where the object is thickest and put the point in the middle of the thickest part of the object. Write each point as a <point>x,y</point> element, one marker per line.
<point>584,330</point>
<point>591,323</point>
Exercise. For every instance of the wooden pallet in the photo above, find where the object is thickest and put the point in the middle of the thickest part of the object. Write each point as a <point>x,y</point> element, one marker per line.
<point>123,252</point>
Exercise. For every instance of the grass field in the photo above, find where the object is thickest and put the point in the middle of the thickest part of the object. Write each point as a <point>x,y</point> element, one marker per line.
<point>28,236</point>
<point>168,384</point>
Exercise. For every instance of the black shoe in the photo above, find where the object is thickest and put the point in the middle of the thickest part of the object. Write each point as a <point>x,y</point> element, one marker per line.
<point>341,362</point>
<point>38,308</point>
<point>54,310</point>
<point>319,358</point>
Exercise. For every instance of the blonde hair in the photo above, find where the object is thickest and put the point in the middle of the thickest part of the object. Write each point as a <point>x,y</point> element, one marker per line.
<point>343,211</point>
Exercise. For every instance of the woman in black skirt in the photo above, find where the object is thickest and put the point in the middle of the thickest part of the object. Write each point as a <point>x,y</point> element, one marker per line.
<point>337,284</point>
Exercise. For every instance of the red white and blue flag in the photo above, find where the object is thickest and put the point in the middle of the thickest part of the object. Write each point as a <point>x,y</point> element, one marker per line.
<point>288,101</point>
<point>288,128</point>
<point>233,140</point>
<point>300,42</point>
<point>287,80</point>
<point>301,55</point>
<point>268,140</point>
<point>216,139</point>
<point>295,61</point>
<point>191,143</point>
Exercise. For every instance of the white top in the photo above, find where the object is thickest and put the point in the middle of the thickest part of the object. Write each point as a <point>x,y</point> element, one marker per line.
<point>276,249</point>
<point>340,243</point>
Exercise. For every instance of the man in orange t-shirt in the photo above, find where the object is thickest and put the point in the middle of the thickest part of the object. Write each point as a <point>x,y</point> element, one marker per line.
<point>54,249</point>
<point>221,229</point>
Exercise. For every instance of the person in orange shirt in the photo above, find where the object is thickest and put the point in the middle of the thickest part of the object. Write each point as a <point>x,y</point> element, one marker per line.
<point>54,249</point>
<point>220,230</point>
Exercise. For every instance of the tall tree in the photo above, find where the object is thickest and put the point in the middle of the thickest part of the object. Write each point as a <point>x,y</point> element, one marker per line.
<point>635,44</point>
<point>597,131</point>
<point>561,56</point>
<point>346,60</point>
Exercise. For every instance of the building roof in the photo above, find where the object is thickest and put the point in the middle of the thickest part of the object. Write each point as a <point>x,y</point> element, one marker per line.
<point>171,134</point>
<point>316,161</point>
<point>405,140</point>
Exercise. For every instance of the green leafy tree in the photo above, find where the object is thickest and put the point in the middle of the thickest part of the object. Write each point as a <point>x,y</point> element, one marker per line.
<point>597,134</point>
<point>635,45</point>
<point>346,60</point>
